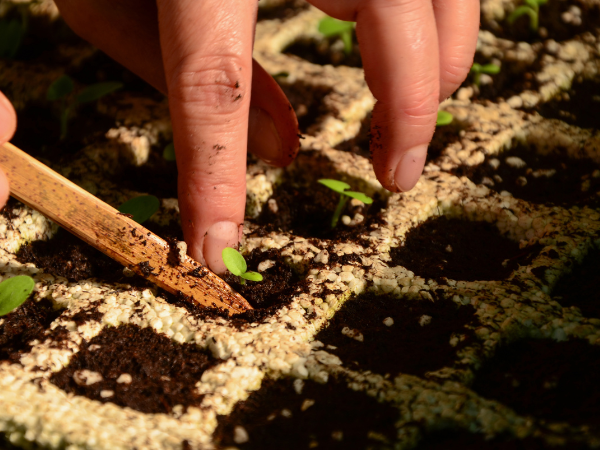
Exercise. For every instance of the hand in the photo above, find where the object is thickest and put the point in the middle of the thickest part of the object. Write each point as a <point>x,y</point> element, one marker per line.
<point>8,125</point>
<point>415,52</point>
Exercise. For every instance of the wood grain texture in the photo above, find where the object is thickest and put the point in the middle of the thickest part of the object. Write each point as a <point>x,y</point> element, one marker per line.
<point>114,234</point>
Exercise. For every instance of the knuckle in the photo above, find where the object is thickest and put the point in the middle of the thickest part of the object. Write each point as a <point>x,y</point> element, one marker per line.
<point>211,83</point>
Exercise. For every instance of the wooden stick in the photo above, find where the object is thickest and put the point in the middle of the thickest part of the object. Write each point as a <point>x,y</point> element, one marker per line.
<point>114,234</point>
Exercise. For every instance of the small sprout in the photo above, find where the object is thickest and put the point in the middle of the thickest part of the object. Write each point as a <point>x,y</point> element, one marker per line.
<point>14,291</point>
<point>169,152</point>
<point>330,27</point>
<point>140,208</point>
<point>61,88</point>
<point>530,8</point>
<point>236,264</point>
<point>340,187</point>
<point>477,69</point>
<point>11,36</point>
<point>444,118</point>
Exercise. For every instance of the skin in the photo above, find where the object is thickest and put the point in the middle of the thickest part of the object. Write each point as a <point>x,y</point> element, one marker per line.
<point>222,103</point>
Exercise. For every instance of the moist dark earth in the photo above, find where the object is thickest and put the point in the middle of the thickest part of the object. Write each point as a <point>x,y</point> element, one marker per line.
<point>551,179</point>
<point>460,250</point>
<point>320,416</point>
<point>418,341</point>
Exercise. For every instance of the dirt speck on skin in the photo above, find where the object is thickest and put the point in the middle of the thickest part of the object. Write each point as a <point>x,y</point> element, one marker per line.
<point>329,416</point>
<point>163,373</point>
<point>460,250</point>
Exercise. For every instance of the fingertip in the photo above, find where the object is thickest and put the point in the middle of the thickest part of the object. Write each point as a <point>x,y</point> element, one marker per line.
<point>8,119</point>
<point>219,235</point>
<point>410,168</point>
<point>4,189</point>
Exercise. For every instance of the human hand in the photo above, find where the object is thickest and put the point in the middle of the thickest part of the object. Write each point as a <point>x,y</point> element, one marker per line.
<point>8,125</point>
<point>414,52</point>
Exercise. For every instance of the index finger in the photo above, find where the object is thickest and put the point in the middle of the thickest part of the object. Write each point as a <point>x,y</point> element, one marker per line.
<point>207,54</point>
<point>399,46</point>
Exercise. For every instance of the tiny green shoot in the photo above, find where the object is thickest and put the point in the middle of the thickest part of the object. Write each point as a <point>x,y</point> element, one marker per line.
<point>477,69</point>
<point>62,88</point>
<point>330,27</point>
<point>236,264</point>
<point>530,8</point>
<point>14,291</point>
<point>11,36</point>
<point>140,208</point>
<point>169,152</point>
<point>340,187</point>
<point>444,118</point>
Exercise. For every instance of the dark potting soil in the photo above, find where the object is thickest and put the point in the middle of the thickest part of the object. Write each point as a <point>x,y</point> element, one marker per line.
<point>556,381</point>
<point>579,106</point>
<point>164,373</point>
<point>581,287</point>
<point>23,325</point>
<point>512,79</point>
<point>549,19</point>
<point>460,250</point>
<point>327,416</point>
<point>463,440</point>
<point>552,179</point>
<point>67,256</point>
<point>404,347</point>
<point>307,211</point>
<point>323,52</point>
<point>307,101</point>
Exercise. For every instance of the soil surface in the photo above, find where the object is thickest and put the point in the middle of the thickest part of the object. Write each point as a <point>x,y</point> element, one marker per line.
<point>579,106</point>
<point>307,211</point>
<point>307,101</point>
<point>581,287</point>
<point>551,23</point>
<point>556,381</point>
<point>23,325</point>
<point>327,416</point>
<point>417,342</point>
<point>552,179</point>
<point>460,250</point>
<point>163,374</point>
<point>326,51</point>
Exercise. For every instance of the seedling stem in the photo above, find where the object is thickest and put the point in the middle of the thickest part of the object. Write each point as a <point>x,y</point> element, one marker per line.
<point>340,187</point>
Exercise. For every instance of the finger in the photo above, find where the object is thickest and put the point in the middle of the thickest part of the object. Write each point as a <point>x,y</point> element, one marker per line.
<point>8,125</point>
<point>128,33</point>
<point>207,56</point>
<point>457,26</point>
<point>399,46</point>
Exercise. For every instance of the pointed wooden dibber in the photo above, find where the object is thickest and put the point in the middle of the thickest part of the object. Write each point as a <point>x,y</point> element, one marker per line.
<point>114,234</point>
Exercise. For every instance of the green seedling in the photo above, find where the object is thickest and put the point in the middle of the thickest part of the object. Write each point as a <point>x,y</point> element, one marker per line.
<point>236,264</point>
<point>62,88</point>
<point>330,27</point>
<point>477,69</point>
<point>140,208</point>
<point>340,187</point>
<point>443,118</point>
<point>12,32</point>
<point>169,152</point>
<point>14,291</point>
<point>530,8</point>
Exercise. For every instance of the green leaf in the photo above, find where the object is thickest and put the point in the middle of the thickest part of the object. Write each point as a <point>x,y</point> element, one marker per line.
<point>328,26</point>
<point>234,261</point>
<point>475,68</point>
<point>11,34</point>
<point>491,69</point>
<point>169,152</point>
<point>359,196</point>
<point>60,88</point>
<point>14,291</point>
<point>141,208</point>
<point>97,91</point>
<point>518,12</point>
<point>252,276</point>
<point>444,118</point>
<point>335,185</point>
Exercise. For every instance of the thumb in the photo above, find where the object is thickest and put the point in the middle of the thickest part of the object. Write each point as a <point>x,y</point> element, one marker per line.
<point>8,124</point>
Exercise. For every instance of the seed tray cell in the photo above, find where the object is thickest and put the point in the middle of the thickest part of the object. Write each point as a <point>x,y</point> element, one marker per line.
<point>430,319</point>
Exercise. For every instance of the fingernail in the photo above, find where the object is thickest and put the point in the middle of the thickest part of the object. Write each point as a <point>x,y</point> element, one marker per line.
<point>263,139</point>
<point>6,119</point>
<point>410,167</point>
<point>219,236</point>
